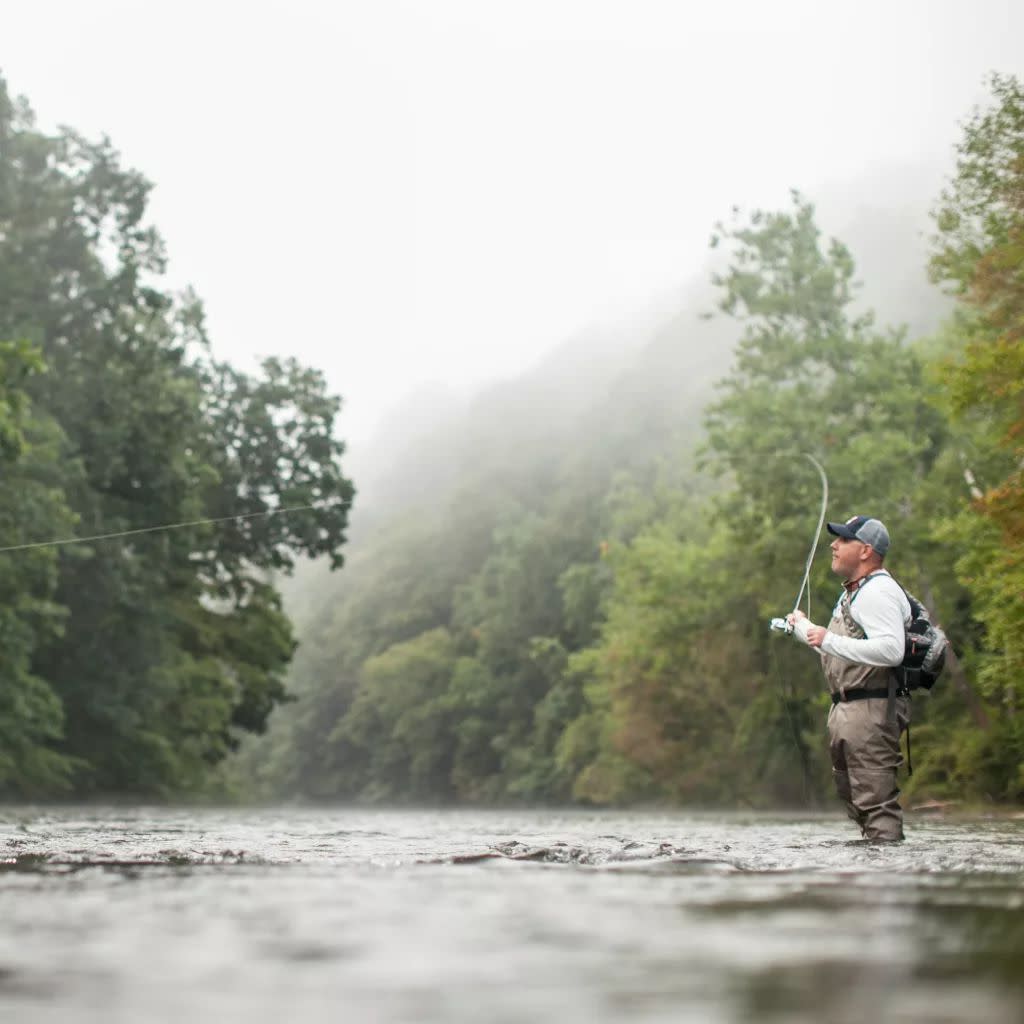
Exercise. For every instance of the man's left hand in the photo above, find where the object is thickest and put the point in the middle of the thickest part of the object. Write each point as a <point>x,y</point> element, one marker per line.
<point>806,630</point>
<point>815,635</point>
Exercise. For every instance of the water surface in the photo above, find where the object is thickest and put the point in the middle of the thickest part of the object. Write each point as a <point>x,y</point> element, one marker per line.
<point>283,915</point>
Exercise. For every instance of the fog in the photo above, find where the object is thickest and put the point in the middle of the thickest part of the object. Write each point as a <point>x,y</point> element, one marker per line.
<point>427,198</point>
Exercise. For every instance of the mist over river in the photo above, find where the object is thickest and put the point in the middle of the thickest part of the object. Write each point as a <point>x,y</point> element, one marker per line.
<point>297,914</point>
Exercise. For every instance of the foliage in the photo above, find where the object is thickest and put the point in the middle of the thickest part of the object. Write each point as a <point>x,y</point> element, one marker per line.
<point>589,627</point>
<point>570,602</point>
<point>31,715</point>
<point>171,643</point>
<point>979,253</point>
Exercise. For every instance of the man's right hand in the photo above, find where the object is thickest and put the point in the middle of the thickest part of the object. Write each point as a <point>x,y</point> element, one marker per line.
<point>806,630</point>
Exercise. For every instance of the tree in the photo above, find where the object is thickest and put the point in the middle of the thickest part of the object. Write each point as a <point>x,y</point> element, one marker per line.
<point>979,254</point>
<point>401,722</point>
<point>31,716</point>
<point>694,698</point>
<point>175,642</point>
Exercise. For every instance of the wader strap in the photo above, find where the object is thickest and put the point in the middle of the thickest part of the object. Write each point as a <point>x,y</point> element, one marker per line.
<point>904,689</point>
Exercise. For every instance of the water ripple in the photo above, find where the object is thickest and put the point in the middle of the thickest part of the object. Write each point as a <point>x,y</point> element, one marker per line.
<point>156,914</point>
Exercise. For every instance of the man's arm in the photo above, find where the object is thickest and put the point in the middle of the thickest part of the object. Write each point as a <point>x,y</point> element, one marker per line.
<point>881,611</point>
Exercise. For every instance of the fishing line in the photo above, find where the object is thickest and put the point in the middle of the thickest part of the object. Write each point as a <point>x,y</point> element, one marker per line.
<point>806,583</point>
<point>780,624</point>
<point>165,526</point>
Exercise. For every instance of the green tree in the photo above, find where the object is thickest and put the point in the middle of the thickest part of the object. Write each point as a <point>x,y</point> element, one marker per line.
<point>400,722</point>
<point>979,253</point>
<point>694,698</point>
<point>175,642</point>
<point>31,716</point>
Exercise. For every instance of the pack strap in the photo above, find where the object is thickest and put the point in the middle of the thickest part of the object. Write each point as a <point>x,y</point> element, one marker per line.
<point>859,585</point>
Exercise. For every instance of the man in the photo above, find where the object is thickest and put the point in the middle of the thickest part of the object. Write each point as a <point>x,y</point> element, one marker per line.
<point>859,651</point>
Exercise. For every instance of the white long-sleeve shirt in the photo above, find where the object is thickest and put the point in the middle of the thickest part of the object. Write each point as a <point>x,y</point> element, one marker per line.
<point>882,611</point>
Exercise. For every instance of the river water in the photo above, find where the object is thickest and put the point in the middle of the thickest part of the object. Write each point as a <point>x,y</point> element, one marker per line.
<point>292,915</point>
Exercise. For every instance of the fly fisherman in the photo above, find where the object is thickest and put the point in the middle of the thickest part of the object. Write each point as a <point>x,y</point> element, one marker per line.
<point>859,651</point>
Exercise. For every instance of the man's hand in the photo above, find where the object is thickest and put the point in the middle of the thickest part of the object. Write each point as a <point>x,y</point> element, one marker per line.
<point>806,630</point>
<point>815,635</point>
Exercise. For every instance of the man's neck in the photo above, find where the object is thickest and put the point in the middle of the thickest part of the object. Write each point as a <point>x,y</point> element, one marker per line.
<point>853,585</point>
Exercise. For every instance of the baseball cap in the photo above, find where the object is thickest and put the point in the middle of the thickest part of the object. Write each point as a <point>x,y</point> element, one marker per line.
<point>865,529</point>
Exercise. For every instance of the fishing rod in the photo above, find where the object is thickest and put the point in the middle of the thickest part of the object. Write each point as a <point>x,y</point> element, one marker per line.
<point>165,526</point>
<point>780,624</point>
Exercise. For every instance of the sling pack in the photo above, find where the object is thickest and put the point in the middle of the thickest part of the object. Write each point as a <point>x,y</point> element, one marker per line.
<point>924,654</point>
<point>924,657</point>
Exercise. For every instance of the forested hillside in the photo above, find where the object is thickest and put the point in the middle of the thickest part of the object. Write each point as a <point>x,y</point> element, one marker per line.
<point>133,664</point>
<point>558,590</point>
<point>574,607</point>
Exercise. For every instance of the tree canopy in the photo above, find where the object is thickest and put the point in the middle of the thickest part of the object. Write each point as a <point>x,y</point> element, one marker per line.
<point>586,619</point>
<point>568,598</point>
<point>142,658</point>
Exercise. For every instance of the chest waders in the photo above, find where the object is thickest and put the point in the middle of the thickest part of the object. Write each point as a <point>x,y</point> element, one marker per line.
<point>869,712</point>
<point>874,684</point>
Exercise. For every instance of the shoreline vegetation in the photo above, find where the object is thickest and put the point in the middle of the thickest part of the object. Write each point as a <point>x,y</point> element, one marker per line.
<point>566,599</point>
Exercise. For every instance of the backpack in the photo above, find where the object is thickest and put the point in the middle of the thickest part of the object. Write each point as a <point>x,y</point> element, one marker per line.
<point>924,656</point>
<point>924,653</point>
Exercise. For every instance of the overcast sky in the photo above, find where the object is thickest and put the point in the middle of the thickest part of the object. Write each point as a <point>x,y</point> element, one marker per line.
<point>413,192</point>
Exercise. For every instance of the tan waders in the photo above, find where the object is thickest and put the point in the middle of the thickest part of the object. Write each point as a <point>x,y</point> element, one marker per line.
<point>865,749</point>
<point>864,735</point>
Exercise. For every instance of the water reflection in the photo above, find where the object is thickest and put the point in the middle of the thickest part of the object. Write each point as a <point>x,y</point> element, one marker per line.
<point>949,948</point>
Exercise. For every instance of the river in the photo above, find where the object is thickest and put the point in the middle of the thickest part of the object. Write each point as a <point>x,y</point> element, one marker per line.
<point>297,914</point>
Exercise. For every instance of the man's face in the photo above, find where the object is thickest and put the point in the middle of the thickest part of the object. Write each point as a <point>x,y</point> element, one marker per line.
<point>848,557</point>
